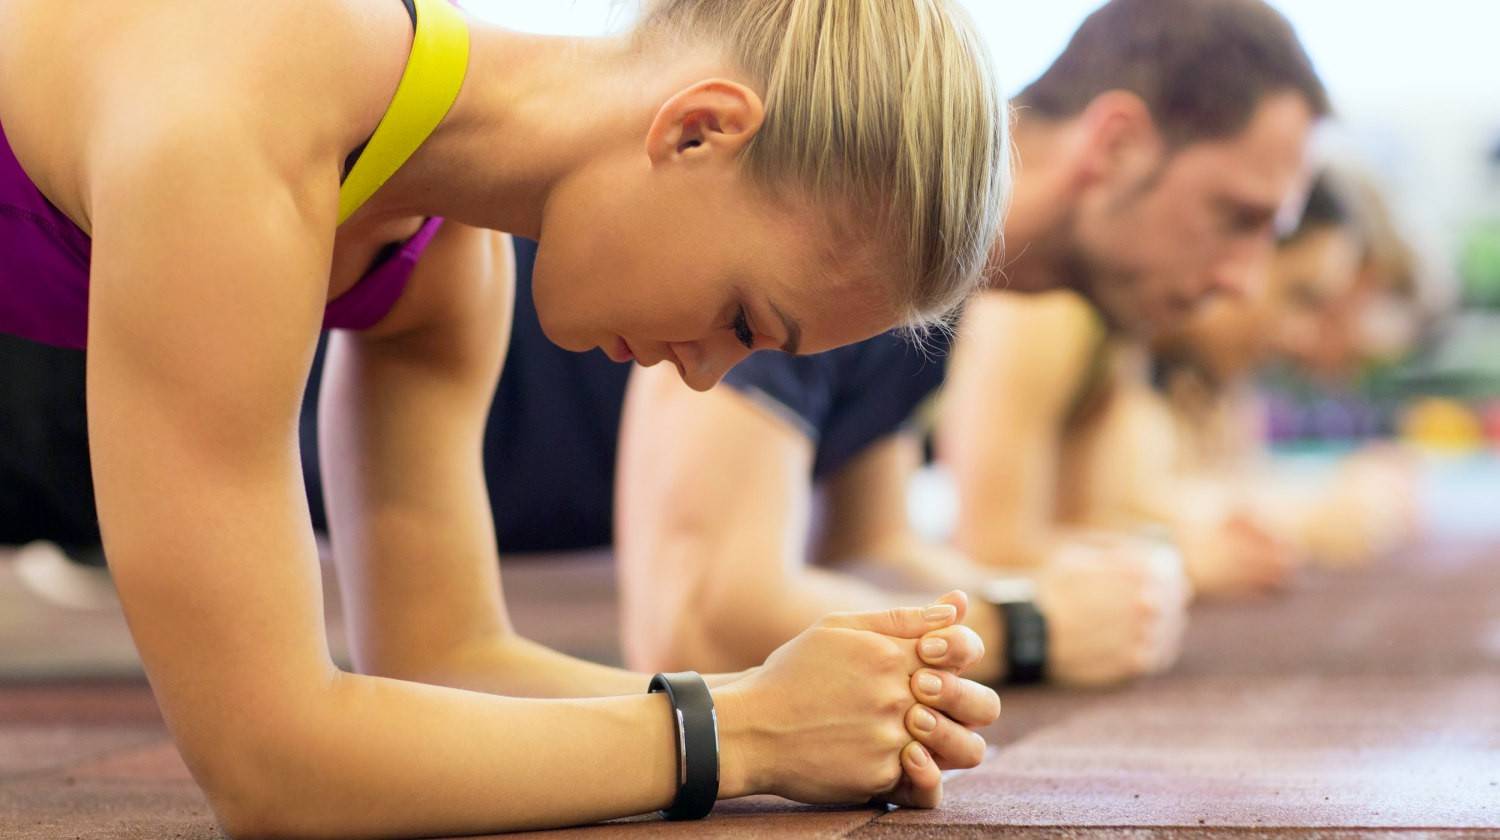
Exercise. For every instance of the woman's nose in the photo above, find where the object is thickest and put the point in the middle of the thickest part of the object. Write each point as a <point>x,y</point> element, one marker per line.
<point>704,363</point>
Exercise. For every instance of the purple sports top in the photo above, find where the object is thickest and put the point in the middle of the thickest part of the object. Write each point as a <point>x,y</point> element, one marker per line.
<point>44,268</point>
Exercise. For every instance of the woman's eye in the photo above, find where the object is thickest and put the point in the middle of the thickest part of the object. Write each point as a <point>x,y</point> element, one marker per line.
<point>742,330</point>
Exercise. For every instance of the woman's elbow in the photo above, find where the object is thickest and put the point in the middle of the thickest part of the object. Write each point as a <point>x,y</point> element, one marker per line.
<point>255,776</point>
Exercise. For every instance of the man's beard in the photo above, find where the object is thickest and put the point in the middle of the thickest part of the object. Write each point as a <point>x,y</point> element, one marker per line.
<point>1113,293</point>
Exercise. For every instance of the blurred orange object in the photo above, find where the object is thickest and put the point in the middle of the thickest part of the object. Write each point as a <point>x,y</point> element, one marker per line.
<point>1492,421</point>
<point>1440,423</point>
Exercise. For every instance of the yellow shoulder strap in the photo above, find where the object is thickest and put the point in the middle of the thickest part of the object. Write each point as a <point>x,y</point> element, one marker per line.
<point>429,86</point>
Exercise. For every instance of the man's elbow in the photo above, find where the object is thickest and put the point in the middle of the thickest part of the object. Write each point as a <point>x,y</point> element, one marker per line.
<point>699,631</point>
<point>677,640</point>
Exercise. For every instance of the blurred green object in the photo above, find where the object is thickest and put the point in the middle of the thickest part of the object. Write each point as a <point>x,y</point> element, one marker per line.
<point>1479,265</point>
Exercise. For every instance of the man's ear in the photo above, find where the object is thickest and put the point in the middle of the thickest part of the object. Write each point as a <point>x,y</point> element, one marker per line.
<point>714,118</point>
<point>1121,140</point>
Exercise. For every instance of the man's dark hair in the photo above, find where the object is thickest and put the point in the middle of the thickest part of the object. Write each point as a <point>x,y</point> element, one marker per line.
<point>1202,67</point>
<point>1326,207</point>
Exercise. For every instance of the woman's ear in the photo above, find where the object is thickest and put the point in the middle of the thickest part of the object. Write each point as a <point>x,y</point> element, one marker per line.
<point>712,119</point>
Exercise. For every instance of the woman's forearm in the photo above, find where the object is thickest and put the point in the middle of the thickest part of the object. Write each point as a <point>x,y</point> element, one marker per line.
<point>460,762</point>
<point>514,666</point>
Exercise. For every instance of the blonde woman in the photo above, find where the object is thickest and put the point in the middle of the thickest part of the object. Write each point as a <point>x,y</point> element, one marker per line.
<point>193,189</point>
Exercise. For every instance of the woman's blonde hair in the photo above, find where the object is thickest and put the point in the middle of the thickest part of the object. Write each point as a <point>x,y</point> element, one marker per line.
<point>888,107</point>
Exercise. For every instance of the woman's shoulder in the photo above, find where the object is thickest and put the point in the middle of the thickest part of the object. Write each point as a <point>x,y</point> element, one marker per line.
<point>305,79</point>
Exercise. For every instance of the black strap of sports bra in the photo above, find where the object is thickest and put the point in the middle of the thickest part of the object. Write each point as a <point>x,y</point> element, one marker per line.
<point>353,158</point>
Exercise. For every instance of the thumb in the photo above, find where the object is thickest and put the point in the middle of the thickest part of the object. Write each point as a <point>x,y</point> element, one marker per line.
<point>960,601</point>
<point>903,622</point>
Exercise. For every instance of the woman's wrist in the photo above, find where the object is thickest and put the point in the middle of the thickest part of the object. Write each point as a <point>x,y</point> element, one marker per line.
<point>742,770</point>
<point>721,680</point>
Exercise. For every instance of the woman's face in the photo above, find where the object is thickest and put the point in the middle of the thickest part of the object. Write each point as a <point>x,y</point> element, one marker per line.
<point>1299,312</point>
<point>673,254</point>
<point>1311,321</point>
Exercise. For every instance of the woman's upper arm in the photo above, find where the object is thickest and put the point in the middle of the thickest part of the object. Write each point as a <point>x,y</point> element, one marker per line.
<point>402,418</point>
<point>206,293</point>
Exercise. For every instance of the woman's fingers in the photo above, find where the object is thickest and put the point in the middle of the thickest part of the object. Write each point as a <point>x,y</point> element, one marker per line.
<point>951,745</point>
<point>960,601</point>
<point>921,785</point>
<point>966,702</point>
<point>954,648</point>
<point>904,622</point>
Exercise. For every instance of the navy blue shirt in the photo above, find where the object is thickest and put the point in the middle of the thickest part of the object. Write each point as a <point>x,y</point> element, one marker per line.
<point>847,399</point>
<point>549,447</point>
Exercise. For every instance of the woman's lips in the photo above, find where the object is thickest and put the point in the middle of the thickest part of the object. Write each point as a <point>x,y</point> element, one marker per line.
<point>620,352</point>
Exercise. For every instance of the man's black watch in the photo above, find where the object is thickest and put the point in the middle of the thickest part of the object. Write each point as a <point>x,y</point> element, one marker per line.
<point>1025,629</point>
<point>697,728</point>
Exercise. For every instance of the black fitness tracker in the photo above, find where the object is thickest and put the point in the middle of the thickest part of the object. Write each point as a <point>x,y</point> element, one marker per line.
<point>697,728</point>
<point>1025,629</point>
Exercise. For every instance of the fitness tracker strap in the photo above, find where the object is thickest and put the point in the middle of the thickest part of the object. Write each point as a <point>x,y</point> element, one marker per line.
<point>1025,642</point>
<point>697,729</point>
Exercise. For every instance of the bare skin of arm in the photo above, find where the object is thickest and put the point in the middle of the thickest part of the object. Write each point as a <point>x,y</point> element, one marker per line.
<point>1017,368</point>
<point>712,508</point>
<point>200,343</point>
<point>866,521</point>
<point>195,367</point>
<point>1110,617</point>
<point>1135,466</point>
<point>195,426</point>
<point>213,232</point>
<point>404,408</point>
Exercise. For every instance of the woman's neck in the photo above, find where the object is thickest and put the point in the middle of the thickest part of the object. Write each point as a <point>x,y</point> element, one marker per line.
<point>532,111</point>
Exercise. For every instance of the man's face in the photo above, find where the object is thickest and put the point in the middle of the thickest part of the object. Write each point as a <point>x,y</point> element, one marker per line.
<point>1151,242</point>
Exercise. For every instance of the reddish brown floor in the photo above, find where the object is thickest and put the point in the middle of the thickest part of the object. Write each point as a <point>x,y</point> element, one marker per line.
<point>1359,703</point>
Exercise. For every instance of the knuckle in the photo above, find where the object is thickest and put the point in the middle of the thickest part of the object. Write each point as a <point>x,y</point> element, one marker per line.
<point>891,656</point>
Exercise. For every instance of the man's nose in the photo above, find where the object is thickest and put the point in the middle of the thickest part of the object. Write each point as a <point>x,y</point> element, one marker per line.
<point>1240,270</point>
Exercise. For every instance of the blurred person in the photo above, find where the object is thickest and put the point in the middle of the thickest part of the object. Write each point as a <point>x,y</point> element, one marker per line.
<point>1341,295</point>
<point>1156,154</point>
<point>1168,436</point>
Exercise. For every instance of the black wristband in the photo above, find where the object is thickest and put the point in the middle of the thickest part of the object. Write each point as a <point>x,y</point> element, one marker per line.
<point>697,727</point>
<point>1025,642</point>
